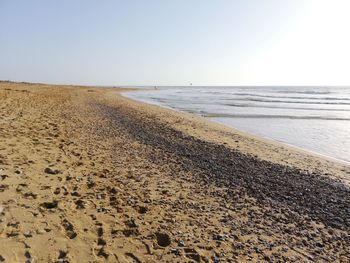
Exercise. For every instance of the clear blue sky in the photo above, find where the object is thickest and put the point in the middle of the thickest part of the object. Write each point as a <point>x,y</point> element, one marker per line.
<point>175,42</point>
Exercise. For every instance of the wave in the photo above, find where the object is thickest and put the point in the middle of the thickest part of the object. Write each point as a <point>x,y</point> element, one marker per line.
<point>259,90</point>
<point>279,107</point>
<point>261,116</point>
<point>311,92</point>
<point>197,100</point>
<point>290,102</point>
<point>291,97</point>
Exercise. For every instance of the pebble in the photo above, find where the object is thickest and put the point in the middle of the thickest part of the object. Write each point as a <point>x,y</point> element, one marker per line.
<point>48,170</point>
<point>57,191</point>
<point>27,234</point>
<point>50,205</point>
<point>143,209</point>
<point>181,243</point>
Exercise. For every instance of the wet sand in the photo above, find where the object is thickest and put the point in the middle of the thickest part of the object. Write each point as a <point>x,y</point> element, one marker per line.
<point>87,175</point>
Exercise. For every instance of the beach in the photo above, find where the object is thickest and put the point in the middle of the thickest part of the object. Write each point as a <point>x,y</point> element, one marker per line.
<point>87,175</point>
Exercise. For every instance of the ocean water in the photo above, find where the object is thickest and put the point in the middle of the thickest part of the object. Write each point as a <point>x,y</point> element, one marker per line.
<point>316,119</point>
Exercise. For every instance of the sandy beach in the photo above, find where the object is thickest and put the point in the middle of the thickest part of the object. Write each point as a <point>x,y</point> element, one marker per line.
<point>87,175</point>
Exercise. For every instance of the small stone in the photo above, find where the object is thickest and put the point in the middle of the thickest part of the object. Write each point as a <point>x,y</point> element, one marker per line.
<point>181,243</point>
<point>27,254</point>
<point>218,237</point>
<point>131,223</point>
<point>176,251</point>
<point>267,258</point>
<point>75,194</point>
<point>48,170</point>
<point>90,183</point>
<point>143,210</point>
<point>80,204</point>
<point>27,234</point>
<point>113,190</point>
<point>62,254</point>
<point>30,195</point>
<point>50,205</point>
<point>69,229</point>
<point>102,253</point>
<point>100,231</point>
<point>12,234</point>
<point>101,242</point>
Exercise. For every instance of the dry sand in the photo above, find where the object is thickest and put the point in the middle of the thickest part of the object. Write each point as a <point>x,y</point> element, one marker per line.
<point>89,176</point>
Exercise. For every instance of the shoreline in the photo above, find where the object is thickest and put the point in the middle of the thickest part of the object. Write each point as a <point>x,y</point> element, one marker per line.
<point>342,167</point>
<point>293,147</point>
<point>259,137</point>
<point>89,175</point>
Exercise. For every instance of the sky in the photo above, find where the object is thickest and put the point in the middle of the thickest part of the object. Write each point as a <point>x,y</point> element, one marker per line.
<point>176,42</point>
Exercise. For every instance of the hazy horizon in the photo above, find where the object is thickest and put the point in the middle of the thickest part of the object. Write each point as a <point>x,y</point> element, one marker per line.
<point>161,43</point>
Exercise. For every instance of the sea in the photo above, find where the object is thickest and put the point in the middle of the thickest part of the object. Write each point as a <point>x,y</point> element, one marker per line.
<point>316,119</point>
